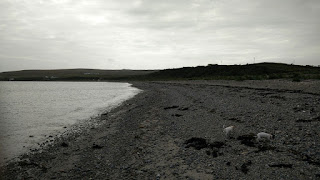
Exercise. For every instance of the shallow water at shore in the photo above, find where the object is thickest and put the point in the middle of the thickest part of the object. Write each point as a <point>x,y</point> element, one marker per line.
<point>31,112</point>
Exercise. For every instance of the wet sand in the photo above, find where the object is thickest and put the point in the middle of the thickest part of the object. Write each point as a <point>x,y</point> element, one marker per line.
<point>173,130</point>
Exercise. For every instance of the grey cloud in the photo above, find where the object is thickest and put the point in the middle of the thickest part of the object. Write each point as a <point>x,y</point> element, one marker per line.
<point>158,34</point>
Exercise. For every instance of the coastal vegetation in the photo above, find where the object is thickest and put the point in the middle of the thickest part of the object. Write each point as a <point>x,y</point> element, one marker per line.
<point>259,71</point>
<point>71,75</point>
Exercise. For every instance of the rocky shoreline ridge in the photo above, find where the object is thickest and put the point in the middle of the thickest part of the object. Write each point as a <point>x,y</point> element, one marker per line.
<point>174,130</point>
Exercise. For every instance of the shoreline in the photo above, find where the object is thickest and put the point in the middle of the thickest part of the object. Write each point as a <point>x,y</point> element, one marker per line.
<point>28,142</point>
<point>145,136</point>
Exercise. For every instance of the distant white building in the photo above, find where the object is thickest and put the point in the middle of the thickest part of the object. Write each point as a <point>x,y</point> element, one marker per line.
<point>50,77</point>
<point>87,73</point>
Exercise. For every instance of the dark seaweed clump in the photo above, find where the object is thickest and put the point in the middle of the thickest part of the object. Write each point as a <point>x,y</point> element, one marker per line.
<point>247,139</point>
<point>197,143</point>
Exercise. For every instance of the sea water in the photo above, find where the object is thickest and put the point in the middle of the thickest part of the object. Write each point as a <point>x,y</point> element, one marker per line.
<point>32,111</point>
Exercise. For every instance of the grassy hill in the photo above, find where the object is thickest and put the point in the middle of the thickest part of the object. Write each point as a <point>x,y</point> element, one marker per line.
<point>229,72</point>
<point>239,72</point>
<point>71,74</point>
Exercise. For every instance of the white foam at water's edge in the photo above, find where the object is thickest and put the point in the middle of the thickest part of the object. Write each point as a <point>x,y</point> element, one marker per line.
<point>33,111</point>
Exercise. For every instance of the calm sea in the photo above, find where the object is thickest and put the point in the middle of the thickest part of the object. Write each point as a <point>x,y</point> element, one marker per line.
<point>30,112</point>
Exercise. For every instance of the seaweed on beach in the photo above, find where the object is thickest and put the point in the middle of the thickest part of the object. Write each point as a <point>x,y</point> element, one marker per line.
<point>265,147</point>
<point>216,144</point>
<point>244,167</point>
<point>177,115</point>
<point>170,107</point>
<point>200,143</point>
<point>247,139</point>
<point>236,120</point>
<point>197,143</point>
<point>309,120</point>
<point>305,157</point>
<point>281,165</point>
<point>64,144</point>
<point>96,146</point>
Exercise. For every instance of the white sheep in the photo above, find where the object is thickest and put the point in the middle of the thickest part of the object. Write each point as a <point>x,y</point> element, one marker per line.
<point>228,130</point>
<point>263,135</point>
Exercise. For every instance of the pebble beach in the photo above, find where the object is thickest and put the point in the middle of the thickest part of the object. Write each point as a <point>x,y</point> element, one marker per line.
<point>174,130</point>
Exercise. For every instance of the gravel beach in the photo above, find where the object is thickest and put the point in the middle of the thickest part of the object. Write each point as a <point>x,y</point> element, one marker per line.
<point>174,130</point>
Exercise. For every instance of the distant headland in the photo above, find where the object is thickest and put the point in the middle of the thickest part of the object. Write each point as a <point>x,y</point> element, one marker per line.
<point>258,71</point>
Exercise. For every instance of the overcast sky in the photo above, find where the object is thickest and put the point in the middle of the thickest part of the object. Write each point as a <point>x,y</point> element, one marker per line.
<point>156,34</point>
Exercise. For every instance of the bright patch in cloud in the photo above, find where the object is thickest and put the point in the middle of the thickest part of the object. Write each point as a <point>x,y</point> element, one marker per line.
<point>145,34</point>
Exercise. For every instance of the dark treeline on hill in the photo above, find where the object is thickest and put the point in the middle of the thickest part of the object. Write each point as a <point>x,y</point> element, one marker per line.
<point>258,71</point>
<point>71,75</point>
<point>239,72</point>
